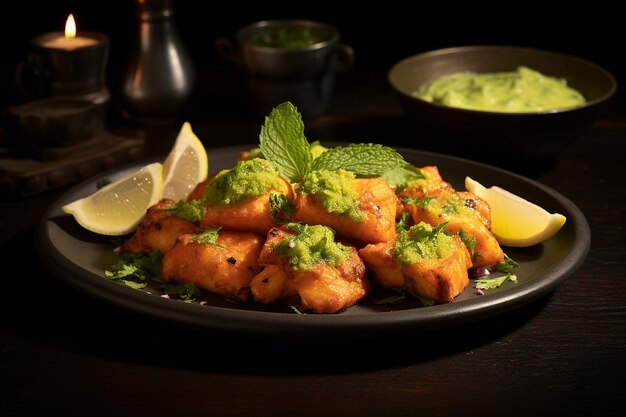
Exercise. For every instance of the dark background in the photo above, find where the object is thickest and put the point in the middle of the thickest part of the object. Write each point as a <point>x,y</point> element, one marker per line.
<point>380,32</point>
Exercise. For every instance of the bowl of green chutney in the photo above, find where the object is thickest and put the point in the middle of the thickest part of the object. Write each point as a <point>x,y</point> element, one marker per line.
<point>493,102</point>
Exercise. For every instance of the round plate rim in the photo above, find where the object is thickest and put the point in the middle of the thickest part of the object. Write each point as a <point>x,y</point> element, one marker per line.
<point>278,324</point>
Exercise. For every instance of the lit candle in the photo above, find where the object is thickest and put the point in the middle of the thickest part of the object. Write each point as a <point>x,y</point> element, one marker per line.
<point>69,41</point>
<point>70,65</point>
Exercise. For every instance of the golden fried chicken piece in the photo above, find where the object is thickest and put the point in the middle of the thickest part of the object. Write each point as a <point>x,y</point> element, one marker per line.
<point>239,199</point>
<point>431,182</point>
<point>466,214</point>
<point>221,262</point>
<point>376,202</point>
<point>198,191</point>
<point>253,215</point>
<point>158,230</point>
<point>436,270</point>
<point>307,269</point>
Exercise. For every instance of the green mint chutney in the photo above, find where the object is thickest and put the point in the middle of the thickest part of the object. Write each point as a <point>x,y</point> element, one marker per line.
<point>521,91</point>
<point>453,205</point>
<point>334,191</point>
<point>286,37</point>
<point>310,245</point>
<point>421,242</point>
<point>246,180</point>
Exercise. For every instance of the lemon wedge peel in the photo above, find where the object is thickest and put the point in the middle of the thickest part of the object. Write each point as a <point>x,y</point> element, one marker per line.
<point>186,165</point>
<point>515,221</point>
<point>117,208</point>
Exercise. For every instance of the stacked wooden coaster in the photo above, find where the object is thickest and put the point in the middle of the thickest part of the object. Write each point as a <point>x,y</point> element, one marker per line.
<point>47,144</point>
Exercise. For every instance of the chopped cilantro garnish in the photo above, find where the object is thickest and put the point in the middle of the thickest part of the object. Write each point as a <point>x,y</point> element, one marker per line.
<point>420,202</point>
<point>469,241</point>
<point>192,211</point>
<point>281,208</point>
<point>425,301</point>
<point>507,265</point>
<point>295,310</point>
<point>187,292</point>
<point>491,283</point>
<point>404,222</point>
<point>397,298</point>
<point>136,266</point>
<point>102,182</point>
<point>207,237</point>
<point>400,296</point>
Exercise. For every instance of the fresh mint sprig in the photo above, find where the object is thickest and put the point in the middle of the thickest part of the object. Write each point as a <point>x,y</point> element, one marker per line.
<point>283,142</point>
<point>398,177</point>
<point>364,159</point>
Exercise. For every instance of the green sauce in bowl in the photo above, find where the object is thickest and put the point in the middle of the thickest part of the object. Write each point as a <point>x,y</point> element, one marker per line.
<point>522,91</point>
<point>286,37</point>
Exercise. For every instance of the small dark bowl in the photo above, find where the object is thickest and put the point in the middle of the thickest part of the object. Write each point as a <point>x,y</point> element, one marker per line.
<point>525,136</point>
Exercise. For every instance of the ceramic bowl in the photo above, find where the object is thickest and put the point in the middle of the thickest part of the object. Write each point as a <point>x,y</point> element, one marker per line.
<point>526,136</point>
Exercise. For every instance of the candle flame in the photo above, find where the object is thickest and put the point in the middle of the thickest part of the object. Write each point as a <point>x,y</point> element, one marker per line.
<point>70,27</point>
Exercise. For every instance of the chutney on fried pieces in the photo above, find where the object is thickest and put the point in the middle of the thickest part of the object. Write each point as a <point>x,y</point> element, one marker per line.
<point>306,268</point>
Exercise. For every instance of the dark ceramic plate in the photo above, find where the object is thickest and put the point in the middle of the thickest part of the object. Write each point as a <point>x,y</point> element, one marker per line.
<point>79,258</point>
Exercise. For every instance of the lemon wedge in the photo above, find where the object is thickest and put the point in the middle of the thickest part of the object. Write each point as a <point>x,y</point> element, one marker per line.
<point>185,166</point>
<point>117,208</point>
<point>514,220</point>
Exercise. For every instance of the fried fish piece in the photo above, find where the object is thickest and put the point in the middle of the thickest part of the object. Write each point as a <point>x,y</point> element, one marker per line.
<point>222,262</point>
<point>361,209</point>
<point>158,230</point>
<point>422,260</point>
<point>305,267</point>
<point>239,198</point>
<point>464,213</point>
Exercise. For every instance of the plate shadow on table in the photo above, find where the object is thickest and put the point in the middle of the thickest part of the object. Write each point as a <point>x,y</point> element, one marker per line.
<point>47,311</point>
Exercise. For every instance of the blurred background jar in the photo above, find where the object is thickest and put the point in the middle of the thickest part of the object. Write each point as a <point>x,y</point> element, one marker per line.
<point>157,86</point>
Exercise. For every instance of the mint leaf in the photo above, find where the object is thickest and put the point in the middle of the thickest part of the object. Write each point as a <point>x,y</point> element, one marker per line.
<point>282,141</point>
<point>364,159</point>
<point>398,177</point>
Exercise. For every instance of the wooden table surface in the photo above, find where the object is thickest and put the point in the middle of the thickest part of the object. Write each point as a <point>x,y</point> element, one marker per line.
<point>65,353</point>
